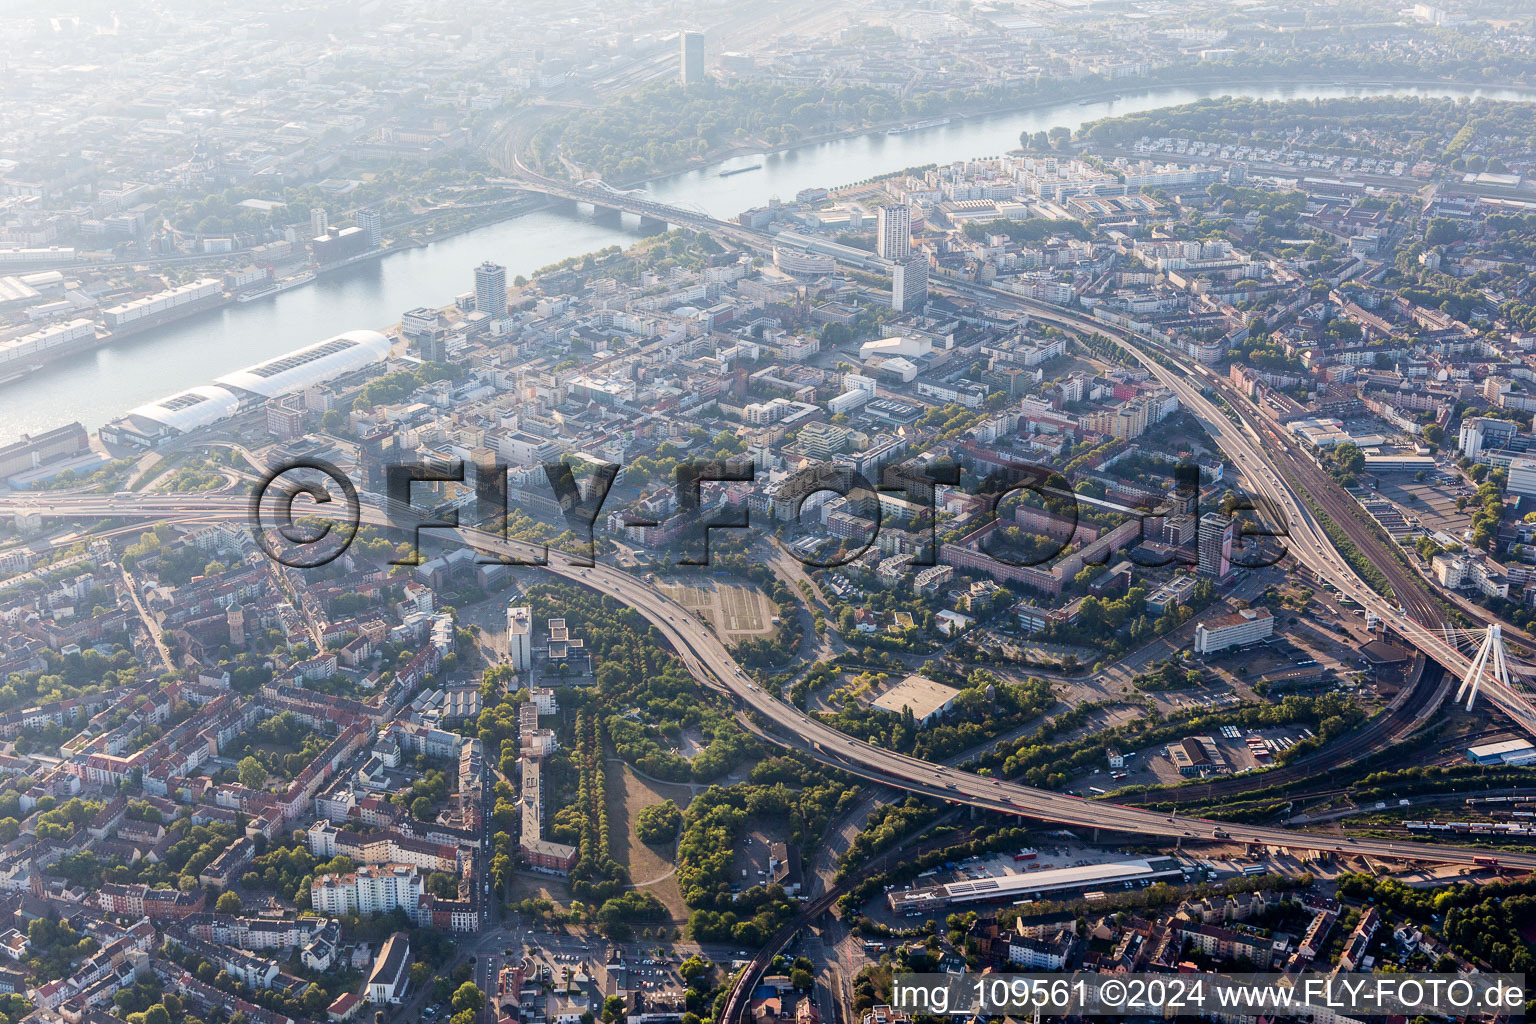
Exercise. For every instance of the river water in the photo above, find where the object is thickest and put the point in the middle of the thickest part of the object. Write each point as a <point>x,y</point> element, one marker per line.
<point>95,387</point>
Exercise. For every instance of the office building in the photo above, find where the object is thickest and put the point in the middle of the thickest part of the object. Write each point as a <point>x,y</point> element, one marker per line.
<point>1522,477</point>
<point>1478,433</point>
<point>909,283</point>
<point>1215,555</point>
<point>693,57</point>
<point>520,637</point>
<point>372,224</point>
<point>491,289</point>
<point>893,232</point>
<point>1247,626</point>
<point>319,222</point>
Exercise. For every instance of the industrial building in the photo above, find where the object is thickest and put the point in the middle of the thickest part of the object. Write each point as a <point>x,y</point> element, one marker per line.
<point>1034,885</point>
<point>48,342</point>
<point>164,305</point>
<point>1515,752</point>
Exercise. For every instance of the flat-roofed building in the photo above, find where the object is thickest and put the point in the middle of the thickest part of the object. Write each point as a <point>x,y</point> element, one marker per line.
<point>1248,626</point>
<point>520,637</point>
<point>1011,888</point>
<point>927,698</point>
<point>1506,752</point>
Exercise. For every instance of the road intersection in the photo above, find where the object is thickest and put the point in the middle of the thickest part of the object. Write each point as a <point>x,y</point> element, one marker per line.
<point>707,658</point>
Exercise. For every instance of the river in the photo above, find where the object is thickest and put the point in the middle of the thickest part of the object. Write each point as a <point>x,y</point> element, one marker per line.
<point>95,387</point>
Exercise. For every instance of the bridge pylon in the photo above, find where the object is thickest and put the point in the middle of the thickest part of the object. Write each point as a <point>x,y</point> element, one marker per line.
<point>1489,661</point>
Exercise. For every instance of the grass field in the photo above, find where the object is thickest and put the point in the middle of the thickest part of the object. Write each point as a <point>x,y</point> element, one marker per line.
<point>738,611</point>
<point>650,868</point>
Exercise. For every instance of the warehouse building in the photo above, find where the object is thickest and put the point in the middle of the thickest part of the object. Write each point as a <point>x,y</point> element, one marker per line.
<point>1514,752</point>
<point>1035,885</point>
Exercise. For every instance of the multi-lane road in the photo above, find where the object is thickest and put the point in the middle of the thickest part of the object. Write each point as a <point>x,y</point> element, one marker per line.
<point>708,659</point>
<point>1308,540</point>
<point>1240,441</point>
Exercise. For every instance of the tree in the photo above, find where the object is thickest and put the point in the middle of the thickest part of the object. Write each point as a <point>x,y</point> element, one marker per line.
<point>468,997</point>
<point>316,999</point>
<point>253,774</point>
<point>158,1014</point>
<point>421,809</point>
<point>1349,457</point>
<point>659,823</point>
<point>1441,230</point>
<point>230,903</point>
<point>613,1009</point>
<point>801,979</point>
<point>694,967</point>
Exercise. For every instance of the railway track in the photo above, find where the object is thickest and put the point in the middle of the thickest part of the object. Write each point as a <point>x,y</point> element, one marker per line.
<point>1397,722</point>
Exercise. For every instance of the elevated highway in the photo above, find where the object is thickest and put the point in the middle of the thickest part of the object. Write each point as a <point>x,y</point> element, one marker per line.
<point>1240,440</point>
<point>1308,539</point>
<point>706,657</point>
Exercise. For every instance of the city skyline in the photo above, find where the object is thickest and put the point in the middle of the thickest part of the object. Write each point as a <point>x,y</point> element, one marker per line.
<point>687,515</point>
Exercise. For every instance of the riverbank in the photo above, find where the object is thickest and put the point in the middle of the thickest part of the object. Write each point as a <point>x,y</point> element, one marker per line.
<point>97,387</point>
<point>1104,93</point>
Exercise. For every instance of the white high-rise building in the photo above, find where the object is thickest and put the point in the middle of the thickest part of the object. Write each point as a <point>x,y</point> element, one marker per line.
<point>1479,433</point>
<point>1214,546</point>
<point>1522,476</point>
<point>692,57</point>
<point>520,637</point>
<point>893,232</point>
<point>859,382</point>
<point>909,283</point>
<point>491,289</point>
<point>318,222</point>
<point>373,226</point>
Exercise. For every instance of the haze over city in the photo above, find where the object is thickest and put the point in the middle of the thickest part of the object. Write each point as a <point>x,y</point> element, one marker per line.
<point>703,513</point>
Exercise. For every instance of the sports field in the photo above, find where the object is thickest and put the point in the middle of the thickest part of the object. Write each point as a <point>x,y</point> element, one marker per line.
<point>737,610</point>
